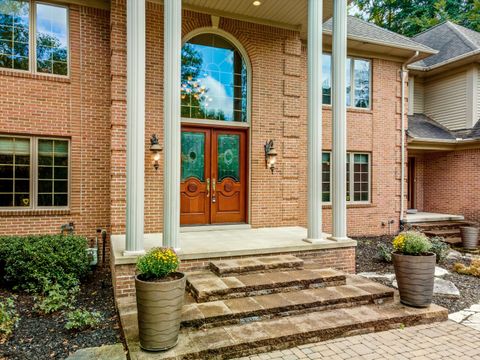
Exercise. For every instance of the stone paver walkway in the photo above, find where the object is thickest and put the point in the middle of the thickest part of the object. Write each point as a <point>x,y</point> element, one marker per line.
<point>447,340</point>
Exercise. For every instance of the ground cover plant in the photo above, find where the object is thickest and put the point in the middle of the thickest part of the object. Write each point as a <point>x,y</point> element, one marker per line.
<point>472,269</point>
<point>8,318</point>
<point>40,335</point>
<point>52,302</point>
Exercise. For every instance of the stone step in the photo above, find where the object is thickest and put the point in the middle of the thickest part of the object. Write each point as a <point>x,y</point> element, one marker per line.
<point>453,241</point>
<point>255,265</point>
<point>358,291</point>
<point>425,226</point>
<point>206,286</point>
<point>445,233</point>
<point>280,333</point>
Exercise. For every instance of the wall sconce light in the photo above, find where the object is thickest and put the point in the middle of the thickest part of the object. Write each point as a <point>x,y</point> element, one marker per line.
<point>270,156</point>
<point>156,149</point>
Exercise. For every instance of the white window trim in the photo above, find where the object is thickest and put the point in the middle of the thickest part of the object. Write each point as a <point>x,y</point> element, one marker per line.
<point>352,84</point>
<point>351,155</point>
<point>34,174</point>
<point>32,41</point>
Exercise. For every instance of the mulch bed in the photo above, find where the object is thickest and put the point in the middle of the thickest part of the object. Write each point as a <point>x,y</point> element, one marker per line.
<point>44,336</point>
<point>367,257</point>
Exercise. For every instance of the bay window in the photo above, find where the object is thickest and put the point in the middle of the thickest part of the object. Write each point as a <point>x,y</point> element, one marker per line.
<point>34,172</point>
<point>34,37</point>
<point>358,177</point>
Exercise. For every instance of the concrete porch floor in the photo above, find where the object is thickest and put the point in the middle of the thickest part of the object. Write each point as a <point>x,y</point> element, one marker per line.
<point>428,217</point>
<point>233,242</point>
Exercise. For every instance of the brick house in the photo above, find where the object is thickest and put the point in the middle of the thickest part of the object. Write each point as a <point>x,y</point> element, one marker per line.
<point>444,126</point>
<point>73,151</point>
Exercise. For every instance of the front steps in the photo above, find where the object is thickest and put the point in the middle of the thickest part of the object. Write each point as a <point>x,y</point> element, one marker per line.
<point>206,286</point>
<point>277,307</point>
<point>448,230</point>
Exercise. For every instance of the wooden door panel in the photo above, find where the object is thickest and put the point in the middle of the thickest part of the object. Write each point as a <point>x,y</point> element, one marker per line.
<point>229,171</point>
<point>195,177</point>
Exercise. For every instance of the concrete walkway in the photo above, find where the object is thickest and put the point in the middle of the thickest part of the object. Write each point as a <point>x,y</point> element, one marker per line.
<point>447,340</point>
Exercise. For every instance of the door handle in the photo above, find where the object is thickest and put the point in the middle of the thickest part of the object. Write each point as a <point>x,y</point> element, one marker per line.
<point>214,185</point>
<point>208,187</point>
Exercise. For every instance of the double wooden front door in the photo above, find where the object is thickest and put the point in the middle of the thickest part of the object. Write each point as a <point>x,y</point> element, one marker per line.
<point>213,176</point>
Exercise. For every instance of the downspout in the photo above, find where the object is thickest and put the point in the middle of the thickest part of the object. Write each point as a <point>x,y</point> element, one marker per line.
<point>402,176</point>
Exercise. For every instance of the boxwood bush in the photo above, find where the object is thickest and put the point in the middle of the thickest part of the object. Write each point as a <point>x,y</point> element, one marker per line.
<point>34,262</point>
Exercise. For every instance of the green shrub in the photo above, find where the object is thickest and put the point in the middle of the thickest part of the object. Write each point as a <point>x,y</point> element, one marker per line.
<point>33,262</point>
<point>440,248</point>
<point>56,298</point>
<point>82,319</point>
<point>385,253</point>
<point>157,263</point>
<point>8,318</point>
<point>412,243</point>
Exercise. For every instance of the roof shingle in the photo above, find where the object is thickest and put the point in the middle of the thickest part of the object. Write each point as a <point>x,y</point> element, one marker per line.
<point>451,41</point>
<point>360,29</point>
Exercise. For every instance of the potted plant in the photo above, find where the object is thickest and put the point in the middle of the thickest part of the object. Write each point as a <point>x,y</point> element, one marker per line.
<point>160,291</point>
<point>414,265</point>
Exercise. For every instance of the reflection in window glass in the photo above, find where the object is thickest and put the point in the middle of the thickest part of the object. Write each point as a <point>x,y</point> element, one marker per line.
<point>362,83</point>
<point>14,34</point>
<point>214,80</point>
<point>349,82</point>
<point>52,39</point>
<point>358,71</point>
<point>14,172</point>
<point>52,172</point>
<point>326,79</point>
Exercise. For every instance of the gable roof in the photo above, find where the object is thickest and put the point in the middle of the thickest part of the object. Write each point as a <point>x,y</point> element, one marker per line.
<point>361,30</point>
<point>452,42</point>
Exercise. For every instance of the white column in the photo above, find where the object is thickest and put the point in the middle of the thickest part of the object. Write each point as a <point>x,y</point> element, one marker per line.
<point>339,118</point>
<point>315,19</point>
<point>135,126</point>
<point>171,106</point>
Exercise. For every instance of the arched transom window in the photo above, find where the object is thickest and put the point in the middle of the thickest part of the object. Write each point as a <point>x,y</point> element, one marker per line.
<point>214,80</point>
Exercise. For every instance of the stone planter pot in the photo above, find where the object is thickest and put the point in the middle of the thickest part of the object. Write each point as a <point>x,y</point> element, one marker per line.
<point>159,305</point>
<point>415,278</point>
<point>469,237</point>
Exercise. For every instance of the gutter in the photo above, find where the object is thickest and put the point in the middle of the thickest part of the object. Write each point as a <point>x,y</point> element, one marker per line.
<point>446,62</point>
<point>369,40</point>
<point>404,72</point>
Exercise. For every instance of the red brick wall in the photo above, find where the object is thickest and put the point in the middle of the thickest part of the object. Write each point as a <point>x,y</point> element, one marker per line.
<point>77,108</point>
<point>278,112</point>
<point>90,109</point>
<point>451,183</point>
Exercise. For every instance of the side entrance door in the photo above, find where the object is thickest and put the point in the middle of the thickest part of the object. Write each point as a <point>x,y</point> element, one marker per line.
<point>411,203</point>
<point>213,176</point>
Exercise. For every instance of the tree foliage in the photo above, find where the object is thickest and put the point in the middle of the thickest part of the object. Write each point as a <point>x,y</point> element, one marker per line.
<point>412,17</point>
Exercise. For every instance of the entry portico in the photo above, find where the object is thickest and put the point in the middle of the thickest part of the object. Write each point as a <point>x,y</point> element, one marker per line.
<point>316,11</point>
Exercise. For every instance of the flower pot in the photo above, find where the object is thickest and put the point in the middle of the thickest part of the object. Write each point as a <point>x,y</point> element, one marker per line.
<point>415,278</point>
<point>159,305</point>
<point>469,237</point>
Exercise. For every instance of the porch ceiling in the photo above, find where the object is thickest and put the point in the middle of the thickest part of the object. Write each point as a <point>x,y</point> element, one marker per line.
<point>279,13</point>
